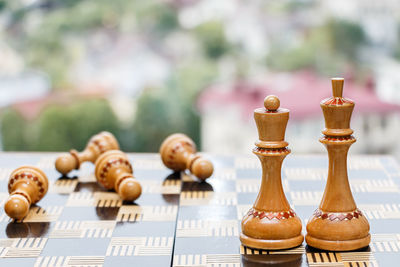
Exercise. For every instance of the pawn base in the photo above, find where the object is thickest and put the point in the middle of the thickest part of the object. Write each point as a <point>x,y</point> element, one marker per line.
<point>338,245</point>
<point>271,244</point>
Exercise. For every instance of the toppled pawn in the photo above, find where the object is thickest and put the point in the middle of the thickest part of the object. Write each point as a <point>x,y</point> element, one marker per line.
<point>114,171</point>
<point>178,152</point>
<point>26,185</point>
<point>96,146</point>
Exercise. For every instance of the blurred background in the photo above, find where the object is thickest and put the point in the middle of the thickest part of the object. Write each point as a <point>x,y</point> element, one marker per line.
<point>145,69</point>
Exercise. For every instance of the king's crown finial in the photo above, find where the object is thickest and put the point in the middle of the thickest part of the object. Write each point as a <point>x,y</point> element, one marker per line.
<point>337,87</point>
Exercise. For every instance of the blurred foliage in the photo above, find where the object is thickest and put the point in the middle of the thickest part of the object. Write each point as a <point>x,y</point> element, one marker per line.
<point>161,112</point>
<point>14,131</point>
<point>396,50</point>
<point>62,29</point>
<point>62,127</point>
<point>56,28</point>
<point>212,37</point>
<point>327,49</point>
<point>192,77</point>
<point>58,128</point>
<point>157,19</point>
<point>2,5</point>
<point>167,110</point>
<point>75,124</point>
<point>346,38</point>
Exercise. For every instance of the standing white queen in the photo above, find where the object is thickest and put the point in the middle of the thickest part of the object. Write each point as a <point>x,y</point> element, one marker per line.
<point>271,223</point>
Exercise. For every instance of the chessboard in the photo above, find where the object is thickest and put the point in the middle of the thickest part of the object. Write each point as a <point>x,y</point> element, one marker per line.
<point>180,222</point>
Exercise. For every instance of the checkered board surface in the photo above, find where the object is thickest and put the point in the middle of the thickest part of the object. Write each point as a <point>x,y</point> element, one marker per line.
<point>180,222</point>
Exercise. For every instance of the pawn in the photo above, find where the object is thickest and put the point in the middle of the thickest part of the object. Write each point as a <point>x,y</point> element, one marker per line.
<point>97,145</point>
<point>26,185</point>
<point>113,171</point>
<point>178,152</point>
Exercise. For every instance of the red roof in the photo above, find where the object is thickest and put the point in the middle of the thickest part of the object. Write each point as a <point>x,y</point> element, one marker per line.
<point>301,92</point>
<point>30,109</point>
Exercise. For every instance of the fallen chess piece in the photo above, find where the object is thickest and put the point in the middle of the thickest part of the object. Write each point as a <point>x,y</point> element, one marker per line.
<point>271,223</point>
<point>337,224</point>
<point>178,152</point>
<point>113,171</point>
<point>26,185</point>
<point>97,145</point>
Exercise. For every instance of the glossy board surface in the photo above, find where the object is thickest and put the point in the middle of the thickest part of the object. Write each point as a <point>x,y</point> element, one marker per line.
<point>180,222</point>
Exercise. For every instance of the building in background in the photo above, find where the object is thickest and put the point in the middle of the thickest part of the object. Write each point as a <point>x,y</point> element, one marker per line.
<point>193,66</point>
<point>228,125</point>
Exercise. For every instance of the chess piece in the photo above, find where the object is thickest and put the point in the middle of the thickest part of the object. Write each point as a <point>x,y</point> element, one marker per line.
<point>26,185</point>
<point>337,224</point>
<point>271,223</point>
<point>113,170</point>
<point>178,152</point>
<point>97,145</point>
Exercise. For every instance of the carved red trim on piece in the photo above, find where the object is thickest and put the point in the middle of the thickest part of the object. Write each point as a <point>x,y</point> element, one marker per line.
<point>337,138</point>
<point>271,150</point>
<point>29,176</point>
<point>112,163</point>
<point>337,215</point>
<point>271,214</point>
<point>337,101</point>
<point>178,147</point>
<point>99,145</point>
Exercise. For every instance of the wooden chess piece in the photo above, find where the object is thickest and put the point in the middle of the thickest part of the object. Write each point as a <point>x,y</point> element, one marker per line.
<point>271,223</point>
<point>97,145</point>
<point>178,152</point>
<point>114,171</point>
<point>26,185</point>
<point>337,224</point>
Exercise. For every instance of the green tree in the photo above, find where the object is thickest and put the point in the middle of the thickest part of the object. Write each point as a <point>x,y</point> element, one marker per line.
<point>14,131</point>
<point>65,25</point>
<point>212,37</point>
<point>346,37</point>
<point>61,128</point>
<point>159,114</point>
<point>326,49</point>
